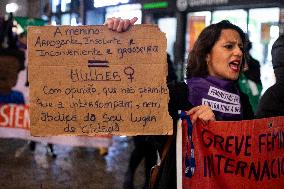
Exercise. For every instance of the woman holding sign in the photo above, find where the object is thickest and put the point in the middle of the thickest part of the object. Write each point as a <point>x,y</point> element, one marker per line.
<point>214,65</point>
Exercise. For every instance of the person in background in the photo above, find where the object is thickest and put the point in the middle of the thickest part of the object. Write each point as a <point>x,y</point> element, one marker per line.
<point>272,102</point>
<point>214,64</point>
<point>144,146</point>
<point>172,76</point>
<point>11,63</point>
<point>249,80</point>
<point>22,45</point>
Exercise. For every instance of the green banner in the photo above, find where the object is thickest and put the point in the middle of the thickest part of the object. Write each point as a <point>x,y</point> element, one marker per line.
<point>24,22</point>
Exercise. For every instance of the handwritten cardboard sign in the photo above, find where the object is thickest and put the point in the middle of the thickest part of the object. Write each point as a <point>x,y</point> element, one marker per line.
<point>88,80</point>
<point>236,154</point>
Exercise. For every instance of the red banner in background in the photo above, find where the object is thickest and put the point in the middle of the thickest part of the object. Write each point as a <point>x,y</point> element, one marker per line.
<point>15,123</point>
<point>14,116</point>
<point>240,154</point>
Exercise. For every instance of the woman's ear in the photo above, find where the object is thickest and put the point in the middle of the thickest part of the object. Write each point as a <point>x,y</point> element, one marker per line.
<point>208,58</point>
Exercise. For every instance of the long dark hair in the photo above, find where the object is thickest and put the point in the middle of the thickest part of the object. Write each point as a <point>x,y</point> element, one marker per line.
<point>196,65</point>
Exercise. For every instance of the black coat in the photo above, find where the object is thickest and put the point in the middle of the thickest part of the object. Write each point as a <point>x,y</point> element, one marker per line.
<point>272,102</point>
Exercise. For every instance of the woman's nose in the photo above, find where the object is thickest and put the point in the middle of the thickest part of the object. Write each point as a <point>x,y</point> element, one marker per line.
<point>238,51</point>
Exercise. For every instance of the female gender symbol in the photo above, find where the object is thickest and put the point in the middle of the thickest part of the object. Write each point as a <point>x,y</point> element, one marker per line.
<point>130,72</point>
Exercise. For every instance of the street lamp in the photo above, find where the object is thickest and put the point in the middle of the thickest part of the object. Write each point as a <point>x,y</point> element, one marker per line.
<point>12,7</point>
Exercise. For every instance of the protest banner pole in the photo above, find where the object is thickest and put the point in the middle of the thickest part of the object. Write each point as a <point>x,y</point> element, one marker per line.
<point>179,154</point>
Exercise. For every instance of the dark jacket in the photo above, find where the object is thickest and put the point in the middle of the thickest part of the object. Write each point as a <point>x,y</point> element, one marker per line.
<point>272,102</point>
<point>179,101</point>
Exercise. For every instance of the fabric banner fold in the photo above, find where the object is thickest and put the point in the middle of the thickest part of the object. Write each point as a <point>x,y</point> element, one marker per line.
<point>233,154</point>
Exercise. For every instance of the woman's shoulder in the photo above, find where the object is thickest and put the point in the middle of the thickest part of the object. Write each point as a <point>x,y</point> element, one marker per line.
<point>201,84</point>
<point>197,81</point>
